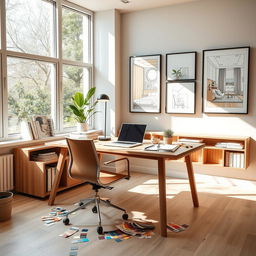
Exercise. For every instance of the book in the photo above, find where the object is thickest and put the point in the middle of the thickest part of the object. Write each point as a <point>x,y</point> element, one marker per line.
<point>242,160</point>
<point>44,126</point>
<point>89,135</point>
<point>51,126</point>
<point>49,156</point>
<point>231,159</point>
<point>235,159</point>
<point>227,159</point>
<point>229,145</point>
<point>53,170</point>
<point>34,130</point>
<point>26,130</point>
<point>162,147</point>
<point>191,140</point>
<point>48,179</point>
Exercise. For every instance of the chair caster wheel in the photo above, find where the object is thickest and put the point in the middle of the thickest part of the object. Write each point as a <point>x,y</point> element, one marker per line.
<point>81,204</point>
<point>94,209</point>
<point>66,221</point>
<point>100,230</point>
<point>125,216</point>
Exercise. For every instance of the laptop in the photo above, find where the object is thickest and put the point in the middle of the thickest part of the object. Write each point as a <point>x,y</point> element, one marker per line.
<point>131,135</point>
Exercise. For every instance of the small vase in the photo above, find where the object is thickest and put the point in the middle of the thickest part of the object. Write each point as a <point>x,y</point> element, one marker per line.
<point>167,140</point>
<point>82,127</point>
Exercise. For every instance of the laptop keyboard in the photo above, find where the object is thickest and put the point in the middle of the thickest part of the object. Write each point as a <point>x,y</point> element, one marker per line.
<point>125,142</point>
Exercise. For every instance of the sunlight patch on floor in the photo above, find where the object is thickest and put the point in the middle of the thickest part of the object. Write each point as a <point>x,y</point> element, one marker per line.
<point>208,184</point>
<point>141,216</point>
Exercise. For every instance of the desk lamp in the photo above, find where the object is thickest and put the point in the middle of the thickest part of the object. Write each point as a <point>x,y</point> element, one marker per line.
<point>104,98</point>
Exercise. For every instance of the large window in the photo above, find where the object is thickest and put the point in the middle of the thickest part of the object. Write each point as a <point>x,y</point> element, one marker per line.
<point>30,26</point>
<point>44,62</point>
<point>75,32</point>
<point>30,83</point>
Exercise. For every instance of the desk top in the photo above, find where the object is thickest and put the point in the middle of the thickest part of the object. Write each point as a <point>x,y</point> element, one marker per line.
<point>102,147</point>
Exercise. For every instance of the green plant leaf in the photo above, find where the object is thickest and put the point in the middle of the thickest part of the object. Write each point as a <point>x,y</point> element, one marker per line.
<point>79,99</point>
<point>89,94</point>
<point>76,111</point>
<point>81,107</point>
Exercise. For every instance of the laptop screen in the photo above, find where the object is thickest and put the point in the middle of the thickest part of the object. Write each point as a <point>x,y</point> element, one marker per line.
<point>132,132</point>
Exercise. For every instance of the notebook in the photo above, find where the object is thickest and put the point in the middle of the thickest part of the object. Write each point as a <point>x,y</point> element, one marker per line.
<point>162,147</point>
<point>131,135</point>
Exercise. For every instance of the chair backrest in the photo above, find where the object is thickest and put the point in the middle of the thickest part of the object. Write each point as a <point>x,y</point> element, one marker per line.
<point>84,162</point>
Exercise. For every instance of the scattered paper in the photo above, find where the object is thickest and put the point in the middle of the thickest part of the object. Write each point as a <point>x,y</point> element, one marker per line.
<point>177,228</point>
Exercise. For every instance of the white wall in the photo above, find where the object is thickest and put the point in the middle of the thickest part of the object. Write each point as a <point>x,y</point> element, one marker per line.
<point>192,27</point>
<point>107,71</point>
<point>107,66</point>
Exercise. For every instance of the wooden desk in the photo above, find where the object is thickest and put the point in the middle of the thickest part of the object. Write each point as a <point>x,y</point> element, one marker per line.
<point>139,152</point>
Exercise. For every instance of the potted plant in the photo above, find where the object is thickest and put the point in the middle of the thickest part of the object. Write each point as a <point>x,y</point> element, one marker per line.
<point>82,109</point>
<point>168,136</point>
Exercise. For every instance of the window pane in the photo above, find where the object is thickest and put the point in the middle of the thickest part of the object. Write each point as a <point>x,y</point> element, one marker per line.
<point>75,35</point>
<point>30,26</point>
<point>75,79</point>
<point>31,87</point>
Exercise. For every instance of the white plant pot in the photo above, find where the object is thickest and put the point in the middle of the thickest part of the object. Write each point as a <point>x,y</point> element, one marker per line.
<point>82,127</point>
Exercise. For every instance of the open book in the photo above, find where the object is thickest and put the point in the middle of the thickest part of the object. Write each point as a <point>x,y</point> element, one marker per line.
<point>164,147</point>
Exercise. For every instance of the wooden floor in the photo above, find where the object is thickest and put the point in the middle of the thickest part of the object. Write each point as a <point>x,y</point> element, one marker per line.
<point>223,225</point>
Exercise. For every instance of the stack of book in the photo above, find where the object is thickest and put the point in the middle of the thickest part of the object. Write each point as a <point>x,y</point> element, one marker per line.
<point>235,159</point>
<point>43,157</point>
<point>89,135</point>
<point>50,176</point>
<point>233,145</point>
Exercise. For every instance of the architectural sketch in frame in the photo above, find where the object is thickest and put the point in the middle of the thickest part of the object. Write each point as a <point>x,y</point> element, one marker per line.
<point>181,66</point>
<point>145,88</point>
<point>225,80</point>
<point>180,98</point>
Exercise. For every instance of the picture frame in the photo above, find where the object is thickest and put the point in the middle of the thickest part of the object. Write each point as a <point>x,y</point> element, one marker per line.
<point>145,84</point>
<point>180,97</point>
<point>180,66</point>
<point>226,80</point>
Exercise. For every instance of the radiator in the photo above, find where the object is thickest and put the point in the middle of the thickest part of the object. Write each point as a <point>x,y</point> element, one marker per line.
<point>6,172</point>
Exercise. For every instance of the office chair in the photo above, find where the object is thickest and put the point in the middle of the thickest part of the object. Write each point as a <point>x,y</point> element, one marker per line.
<point>85,165</point>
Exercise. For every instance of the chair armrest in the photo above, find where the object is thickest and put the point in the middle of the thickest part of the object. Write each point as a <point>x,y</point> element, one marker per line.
<point>120,159</point>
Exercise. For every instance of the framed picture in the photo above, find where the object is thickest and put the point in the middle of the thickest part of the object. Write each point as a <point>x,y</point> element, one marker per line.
<point>225,80</point>
<point>145,89</point>
<point>180,98</point>
<point>181,66</point>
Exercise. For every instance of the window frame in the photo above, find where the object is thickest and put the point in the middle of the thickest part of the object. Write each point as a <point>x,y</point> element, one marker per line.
<point>58,61</point>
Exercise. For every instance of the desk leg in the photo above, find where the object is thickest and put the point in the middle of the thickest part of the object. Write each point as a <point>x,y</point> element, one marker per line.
<point>162,196</point>
<point>59,171</point>
<point>192,181</point>
<point>100,156</point>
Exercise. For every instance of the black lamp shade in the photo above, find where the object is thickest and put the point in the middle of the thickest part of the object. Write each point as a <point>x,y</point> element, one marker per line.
<point>103,97</point>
